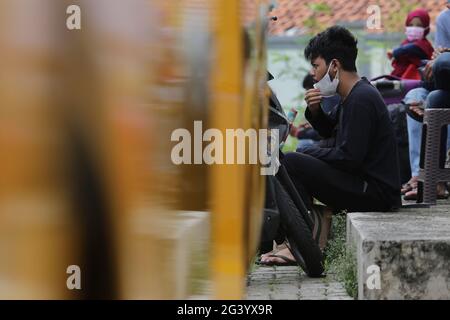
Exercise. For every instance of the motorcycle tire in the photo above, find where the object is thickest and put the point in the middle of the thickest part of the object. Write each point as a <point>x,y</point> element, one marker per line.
<point>304,248</point>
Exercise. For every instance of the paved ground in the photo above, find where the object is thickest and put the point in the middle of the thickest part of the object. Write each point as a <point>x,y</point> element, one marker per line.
<point>289,283</point>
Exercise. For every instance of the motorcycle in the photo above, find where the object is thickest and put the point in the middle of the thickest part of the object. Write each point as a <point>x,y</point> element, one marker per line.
<point>286,215</point>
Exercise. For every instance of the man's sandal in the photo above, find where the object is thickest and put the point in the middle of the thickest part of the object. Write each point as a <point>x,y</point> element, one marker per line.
<point>409,186</point>
<point>413,195</point>
<point>414,115</point>
<point>287,262</point>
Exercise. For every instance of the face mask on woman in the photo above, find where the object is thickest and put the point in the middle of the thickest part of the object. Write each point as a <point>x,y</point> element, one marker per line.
<point>415,33</point>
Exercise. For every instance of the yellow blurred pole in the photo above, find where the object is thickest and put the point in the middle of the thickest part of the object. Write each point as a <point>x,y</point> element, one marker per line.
<point>228,181</point>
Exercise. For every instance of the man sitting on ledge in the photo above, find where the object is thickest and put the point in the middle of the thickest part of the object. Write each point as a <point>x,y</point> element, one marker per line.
<point>357,168</point>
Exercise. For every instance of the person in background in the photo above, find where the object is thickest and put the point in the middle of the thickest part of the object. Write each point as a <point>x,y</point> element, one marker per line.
<point>442,37</point>
<point>417,99</point>
<point>415,48</point>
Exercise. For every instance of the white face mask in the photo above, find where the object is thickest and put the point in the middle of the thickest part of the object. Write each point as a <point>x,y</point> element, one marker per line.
<point>415,33</point>
<point>328,87</point>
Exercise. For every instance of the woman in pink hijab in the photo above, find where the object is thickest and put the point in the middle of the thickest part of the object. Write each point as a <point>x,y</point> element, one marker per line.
<point>415,47</point>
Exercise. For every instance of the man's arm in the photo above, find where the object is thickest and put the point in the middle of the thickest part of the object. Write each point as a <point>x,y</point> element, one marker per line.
<point>348,156</point>
<point>409,49</point>
<point>322,123</point>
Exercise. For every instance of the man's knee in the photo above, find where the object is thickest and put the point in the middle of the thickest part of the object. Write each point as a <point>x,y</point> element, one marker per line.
<point>416,95</point>
<point>298,162</point>
<point>442,62</point>
<point>438,99</point>
<point>441,71</point>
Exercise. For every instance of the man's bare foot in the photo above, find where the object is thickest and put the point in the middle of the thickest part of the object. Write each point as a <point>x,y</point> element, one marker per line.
<point>417,110</point>
<point>282,257</point>
<point>277,249</point>
<point>441,193</point>
<point>410,185</point>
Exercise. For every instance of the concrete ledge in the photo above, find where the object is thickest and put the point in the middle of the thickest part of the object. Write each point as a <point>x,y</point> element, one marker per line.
<point>411,248</point>
<point>166,256</point>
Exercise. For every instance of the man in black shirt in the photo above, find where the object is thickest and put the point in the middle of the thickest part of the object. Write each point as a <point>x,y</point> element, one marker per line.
<point>358,170</point>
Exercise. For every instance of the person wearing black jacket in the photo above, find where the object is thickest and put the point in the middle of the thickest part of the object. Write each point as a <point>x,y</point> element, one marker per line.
<point>358,169</point>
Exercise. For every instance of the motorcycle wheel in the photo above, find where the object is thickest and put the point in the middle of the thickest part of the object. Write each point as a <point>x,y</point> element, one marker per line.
<point>304,248</point>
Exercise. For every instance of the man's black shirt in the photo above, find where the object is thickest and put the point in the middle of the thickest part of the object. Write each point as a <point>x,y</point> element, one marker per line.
<point>364,140</point>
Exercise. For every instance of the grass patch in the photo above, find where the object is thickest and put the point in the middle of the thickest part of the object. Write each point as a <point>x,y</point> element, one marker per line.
<point>341,260</point>
<point>253,265</point>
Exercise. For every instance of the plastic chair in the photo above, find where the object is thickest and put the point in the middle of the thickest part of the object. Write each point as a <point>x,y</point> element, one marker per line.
<point>432,159</point>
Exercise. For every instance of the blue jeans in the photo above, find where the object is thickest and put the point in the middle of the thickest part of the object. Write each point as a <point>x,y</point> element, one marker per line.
<point>439,98</point>
<point>415,130</point>
<point>304,143</point>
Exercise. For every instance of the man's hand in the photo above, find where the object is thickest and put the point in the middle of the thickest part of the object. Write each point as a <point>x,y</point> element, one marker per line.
<point>294,131</point>
<point>305,126</point>
<point>436,54</point>
<point>313,98</point>
<point>438,51</point>
<point>390,54</point>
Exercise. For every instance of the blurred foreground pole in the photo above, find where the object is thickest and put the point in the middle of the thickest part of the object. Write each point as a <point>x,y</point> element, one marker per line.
<point>87,177</point>
<point>228,264</point>
<point>38,231</point>
<point>237,191</point>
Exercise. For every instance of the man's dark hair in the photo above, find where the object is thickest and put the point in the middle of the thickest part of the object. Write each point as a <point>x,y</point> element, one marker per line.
<point>334,43</point>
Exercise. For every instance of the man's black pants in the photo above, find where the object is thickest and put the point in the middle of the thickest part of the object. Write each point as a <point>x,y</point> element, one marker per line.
<point>337,189</point>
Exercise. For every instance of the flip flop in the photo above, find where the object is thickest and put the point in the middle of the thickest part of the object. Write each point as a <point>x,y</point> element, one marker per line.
<point>413,194</point>
<point>407,187</point>
<point>275,251</point>
<point>412,114</point>
<point>288,261</point>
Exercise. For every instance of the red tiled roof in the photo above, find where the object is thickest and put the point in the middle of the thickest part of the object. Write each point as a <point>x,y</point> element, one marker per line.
<point>248,9</point>
<point>295,13</point>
